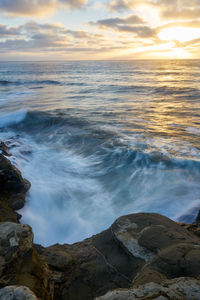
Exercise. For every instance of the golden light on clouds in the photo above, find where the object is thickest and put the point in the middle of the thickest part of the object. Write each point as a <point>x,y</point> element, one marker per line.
<point>181,34</point>
<point>113,29</point>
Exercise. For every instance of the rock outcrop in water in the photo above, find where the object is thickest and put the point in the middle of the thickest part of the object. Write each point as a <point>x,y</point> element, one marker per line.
<point>141,256</point>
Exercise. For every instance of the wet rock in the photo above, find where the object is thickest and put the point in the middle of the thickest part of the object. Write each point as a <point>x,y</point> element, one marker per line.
<point>176,289</point>
<point>4,148</point>
<point>17,293</point>
<point>20,264</point>
<point>13,188</point>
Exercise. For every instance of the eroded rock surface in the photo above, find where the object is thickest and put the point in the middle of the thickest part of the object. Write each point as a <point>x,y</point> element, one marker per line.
<point>4,148</point>
<point>136,249</point>
<point>13,188</point>
<point>17,293</point>
<point>20,264</point>
<point>176,289</point>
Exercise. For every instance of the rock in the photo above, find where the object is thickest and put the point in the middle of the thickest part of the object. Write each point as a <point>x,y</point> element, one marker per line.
<point>90,268</point>
<point>14,238</point>
<point>20,264</point>
<point>17,293</point>
<point>136,249</point>
<point>176,289</point>
<point>13,188</point>
<point>4,149</point>
<point>7,213</point>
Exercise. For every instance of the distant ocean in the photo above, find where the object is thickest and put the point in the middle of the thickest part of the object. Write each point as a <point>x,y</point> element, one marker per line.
<point>98,140</point>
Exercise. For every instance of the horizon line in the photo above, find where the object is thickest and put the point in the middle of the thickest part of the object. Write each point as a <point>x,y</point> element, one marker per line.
<point>101,60</point>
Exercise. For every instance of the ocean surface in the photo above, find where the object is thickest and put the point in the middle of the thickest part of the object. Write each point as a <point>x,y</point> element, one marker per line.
<point>98,140</point>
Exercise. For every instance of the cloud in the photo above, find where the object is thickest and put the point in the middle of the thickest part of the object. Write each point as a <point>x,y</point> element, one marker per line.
<point>120,5</point>
<point>37,7</point>
<point>169,9</point>
<point>6,31</point>
<point>132,24</point>
<point>134,33</point>
<point>35,37</point>
<point>117,22</point>
<point>73,3</point>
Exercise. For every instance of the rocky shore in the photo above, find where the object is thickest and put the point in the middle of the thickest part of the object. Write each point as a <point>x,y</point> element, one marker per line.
<point>141,256</point>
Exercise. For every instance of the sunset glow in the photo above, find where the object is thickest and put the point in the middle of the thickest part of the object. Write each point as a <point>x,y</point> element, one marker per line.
<point>87,29</point>
<point>181,34</point>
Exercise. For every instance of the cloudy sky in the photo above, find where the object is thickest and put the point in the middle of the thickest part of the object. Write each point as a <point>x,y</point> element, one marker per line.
<point>107,29</point>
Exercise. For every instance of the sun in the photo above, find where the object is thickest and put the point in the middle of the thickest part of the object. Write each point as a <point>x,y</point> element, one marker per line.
<point>181,34</point>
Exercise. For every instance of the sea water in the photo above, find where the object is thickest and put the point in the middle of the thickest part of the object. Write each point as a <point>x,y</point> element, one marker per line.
<point>100,139</point>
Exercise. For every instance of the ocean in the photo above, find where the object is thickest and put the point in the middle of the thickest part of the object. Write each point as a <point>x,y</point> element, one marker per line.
<point>101,139</point>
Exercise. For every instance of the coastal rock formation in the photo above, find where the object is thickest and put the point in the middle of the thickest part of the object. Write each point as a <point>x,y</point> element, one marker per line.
<point>176,289</point>
<point>4,148</point>
<point>20,264</point>
<point>13,188</point>
<point>17,293</point>
<point>135,250</point>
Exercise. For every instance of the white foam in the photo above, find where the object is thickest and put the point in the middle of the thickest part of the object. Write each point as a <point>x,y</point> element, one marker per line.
<point>193,130</point>
<point>65,202</point>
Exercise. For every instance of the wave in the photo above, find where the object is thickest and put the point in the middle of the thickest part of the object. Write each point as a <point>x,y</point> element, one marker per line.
<point>37,120</point>
<point>13,118</point>
<point>29,82</point>
<point>4,82</point>
<point>123,88</point>
<point>121,181</point>
<point>166,90</point>
<point>80,130</point>
<point>64,130</point>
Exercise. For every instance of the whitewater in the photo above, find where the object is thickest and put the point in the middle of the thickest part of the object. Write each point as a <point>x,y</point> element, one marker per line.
<point>100,139</point>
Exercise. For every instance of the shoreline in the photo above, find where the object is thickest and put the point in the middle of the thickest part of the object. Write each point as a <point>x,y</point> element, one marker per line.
<point>137,250</point>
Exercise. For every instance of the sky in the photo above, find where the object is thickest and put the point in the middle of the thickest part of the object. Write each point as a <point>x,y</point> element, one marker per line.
<point>99,30</point>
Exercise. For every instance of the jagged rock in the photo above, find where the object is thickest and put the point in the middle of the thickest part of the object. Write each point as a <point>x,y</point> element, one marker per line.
<point>176,289</point>
<point>4,149</point>
<point>90,268</point>
<point>14,238</point>
<point>136,249</point>
<point>20,264</point>
<point>17,293</point>
<point>13,188</point>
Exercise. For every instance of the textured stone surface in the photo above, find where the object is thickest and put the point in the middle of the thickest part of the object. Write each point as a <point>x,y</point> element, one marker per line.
<point>20,264</point>
<point>4,149</point>
<point>136,249</point>
<point>176,289</point>
<point>14,238</point>
<point>17,293</point>
<point>13,188</point>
